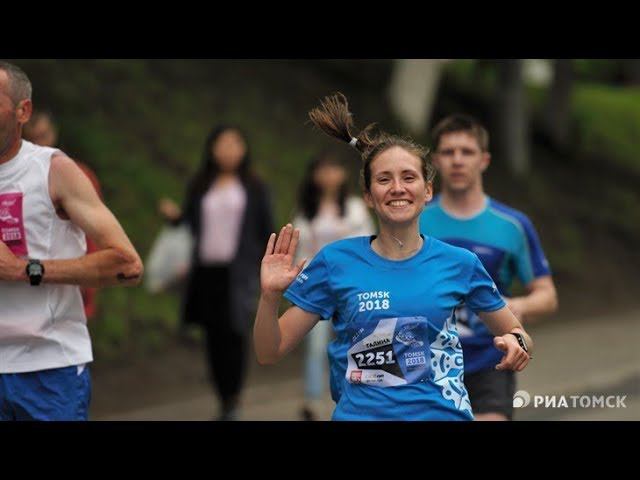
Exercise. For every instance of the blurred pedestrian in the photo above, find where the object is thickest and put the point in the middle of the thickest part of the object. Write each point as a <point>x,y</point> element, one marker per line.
<point>392,296</point>
<point>227,208</point>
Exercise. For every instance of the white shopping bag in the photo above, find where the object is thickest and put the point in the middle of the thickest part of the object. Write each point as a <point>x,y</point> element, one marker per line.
<point>169,259</point>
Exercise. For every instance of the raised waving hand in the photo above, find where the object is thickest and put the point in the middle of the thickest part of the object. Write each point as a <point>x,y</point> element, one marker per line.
<point>278,269</point>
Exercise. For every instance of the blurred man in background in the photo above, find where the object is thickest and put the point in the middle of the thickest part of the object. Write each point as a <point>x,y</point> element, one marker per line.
<point>505,241</point>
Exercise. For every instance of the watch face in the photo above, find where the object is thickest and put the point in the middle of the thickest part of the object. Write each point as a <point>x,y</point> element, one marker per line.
<point>35,269</point>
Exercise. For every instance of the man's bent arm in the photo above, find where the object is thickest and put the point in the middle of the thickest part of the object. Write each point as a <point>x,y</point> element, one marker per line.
<point>116,262</point>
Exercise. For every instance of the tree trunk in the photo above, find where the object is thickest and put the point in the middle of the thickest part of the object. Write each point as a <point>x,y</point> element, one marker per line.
<point>632,70</point>
<point>512,135</point>
<point>558,111</point>
<point>412,91</point>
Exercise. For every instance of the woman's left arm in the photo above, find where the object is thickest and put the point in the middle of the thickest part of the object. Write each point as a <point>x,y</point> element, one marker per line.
<point>503,324</point>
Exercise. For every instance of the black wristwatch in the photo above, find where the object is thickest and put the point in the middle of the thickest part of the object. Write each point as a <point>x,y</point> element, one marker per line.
<point>521,341</point>
<point>35,271</point>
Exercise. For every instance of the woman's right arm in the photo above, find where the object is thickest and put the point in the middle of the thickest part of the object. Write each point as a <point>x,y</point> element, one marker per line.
<point>274,337</point>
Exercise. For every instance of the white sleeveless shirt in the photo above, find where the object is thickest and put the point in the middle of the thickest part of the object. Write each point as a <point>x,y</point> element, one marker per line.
<point>41,327</point>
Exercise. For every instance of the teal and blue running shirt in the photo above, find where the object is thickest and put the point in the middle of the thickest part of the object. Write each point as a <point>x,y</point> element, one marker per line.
<point>397,349</point>
<point>508,246</point>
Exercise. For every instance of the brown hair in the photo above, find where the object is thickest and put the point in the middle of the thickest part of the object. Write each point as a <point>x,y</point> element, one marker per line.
<point>334,119</point>
<point>461,123</point>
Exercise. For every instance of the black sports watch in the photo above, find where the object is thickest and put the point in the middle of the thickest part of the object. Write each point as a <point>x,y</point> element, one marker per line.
<point>521,341</point>
<point>35,271</point>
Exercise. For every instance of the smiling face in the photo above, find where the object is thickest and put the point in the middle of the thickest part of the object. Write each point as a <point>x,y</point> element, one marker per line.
<point>398,189</point>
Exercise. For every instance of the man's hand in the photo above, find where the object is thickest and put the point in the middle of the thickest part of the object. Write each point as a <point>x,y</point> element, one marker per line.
<point>132,279</point>
<point>11,267</point>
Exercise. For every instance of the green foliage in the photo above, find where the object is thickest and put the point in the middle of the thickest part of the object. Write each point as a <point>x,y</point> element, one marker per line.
<point>606,122</point>
<point>606,71</point>
<point>605,118</point>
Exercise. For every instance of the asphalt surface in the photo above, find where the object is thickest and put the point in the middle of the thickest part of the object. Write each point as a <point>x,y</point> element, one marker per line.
<point>595,360</point>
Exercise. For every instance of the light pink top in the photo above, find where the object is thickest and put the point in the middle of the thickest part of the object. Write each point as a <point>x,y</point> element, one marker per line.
<point>222,214</point>
<point>328,226</point>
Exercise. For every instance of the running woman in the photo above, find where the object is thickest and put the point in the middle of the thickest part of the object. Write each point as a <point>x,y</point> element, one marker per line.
<point>392,297</point>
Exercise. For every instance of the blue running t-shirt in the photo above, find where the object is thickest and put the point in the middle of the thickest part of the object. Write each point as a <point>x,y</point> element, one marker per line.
<point>396,340</point>
<point>508,246</point>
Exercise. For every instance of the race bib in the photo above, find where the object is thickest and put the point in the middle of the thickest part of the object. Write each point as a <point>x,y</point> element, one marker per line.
<point>393,352</point>
<point>11,223</point>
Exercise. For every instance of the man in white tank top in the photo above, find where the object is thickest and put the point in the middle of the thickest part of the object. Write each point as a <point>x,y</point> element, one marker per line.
<point>47,206</point>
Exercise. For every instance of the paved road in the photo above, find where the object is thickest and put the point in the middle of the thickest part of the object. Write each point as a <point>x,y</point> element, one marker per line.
<point>596,357</point>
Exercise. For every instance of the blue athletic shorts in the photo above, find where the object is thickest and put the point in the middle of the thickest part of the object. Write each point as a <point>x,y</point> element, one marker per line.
<point>56,394</point>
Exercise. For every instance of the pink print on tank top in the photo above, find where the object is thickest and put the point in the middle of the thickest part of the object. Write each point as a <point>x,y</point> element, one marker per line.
<point>11,223</point>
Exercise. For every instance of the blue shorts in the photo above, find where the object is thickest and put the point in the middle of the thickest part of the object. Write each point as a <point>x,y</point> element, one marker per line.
<point>56,394</point>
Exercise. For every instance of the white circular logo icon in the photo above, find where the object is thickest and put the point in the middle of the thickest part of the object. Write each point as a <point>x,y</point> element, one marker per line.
<point>521,399</point>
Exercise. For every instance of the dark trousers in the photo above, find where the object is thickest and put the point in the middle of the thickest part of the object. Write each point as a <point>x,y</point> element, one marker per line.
<point>226,348</point>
